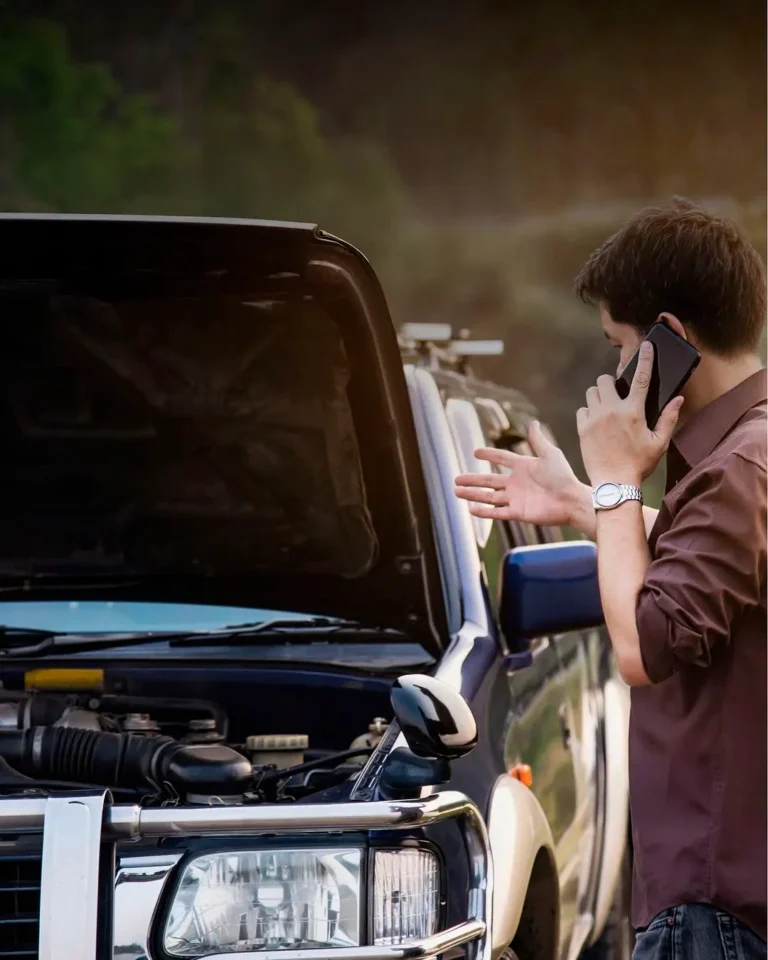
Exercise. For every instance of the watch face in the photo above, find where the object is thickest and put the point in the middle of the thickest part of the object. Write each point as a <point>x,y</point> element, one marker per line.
<point>608,494</point>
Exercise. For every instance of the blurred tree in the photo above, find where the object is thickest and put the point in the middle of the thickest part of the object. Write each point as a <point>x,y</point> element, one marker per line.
<point>72,140</point>
<point>69,139</point>
<point>254,148</point>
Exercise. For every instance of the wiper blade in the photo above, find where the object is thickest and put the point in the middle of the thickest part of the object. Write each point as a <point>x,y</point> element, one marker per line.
<point>320,628</point>
<point>317,627</point>
<point>285,628</point>
<point>50,640</point>
<point>23,633</point>
<point>284,623</point>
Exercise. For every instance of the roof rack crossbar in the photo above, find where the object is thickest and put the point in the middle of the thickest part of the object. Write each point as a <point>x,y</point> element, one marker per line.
<point>434,345</point>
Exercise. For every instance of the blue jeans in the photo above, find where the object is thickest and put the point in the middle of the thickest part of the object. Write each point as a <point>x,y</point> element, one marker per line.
<point>697,931</point>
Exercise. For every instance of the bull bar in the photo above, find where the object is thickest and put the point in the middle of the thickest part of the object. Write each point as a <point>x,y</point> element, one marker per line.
<point>75,826</point>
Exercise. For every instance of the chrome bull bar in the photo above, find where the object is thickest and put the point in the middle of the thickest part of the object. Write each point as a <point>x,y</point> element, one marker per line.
<point>74,827</point>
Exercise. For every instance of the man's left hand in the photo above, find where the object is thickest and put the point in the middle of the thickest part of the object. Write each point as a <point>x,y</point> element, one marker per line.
<point>616,444</point>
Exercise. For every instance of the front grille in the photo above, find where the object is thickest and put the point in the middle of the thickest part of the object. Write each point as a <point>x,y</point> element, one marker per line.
<point>19,904</point>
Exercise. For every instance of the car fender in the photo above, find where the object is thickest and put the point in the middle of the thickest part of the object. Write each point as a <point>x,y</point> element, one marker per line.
<point>518,831</point>
<point>616,710</point>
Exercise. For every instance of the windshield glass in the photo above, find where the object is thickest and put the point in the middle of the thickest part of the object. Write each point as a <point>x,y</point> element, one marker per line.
<point>92,616</point>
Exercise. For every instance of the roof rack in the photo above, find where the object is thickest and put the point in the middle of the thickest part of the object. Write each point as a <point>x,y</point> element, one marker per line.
<point>434,345</point>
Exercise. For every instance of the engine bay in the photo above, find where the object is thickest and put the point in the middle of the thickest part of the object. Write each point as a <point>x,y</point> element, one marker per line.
<point>161,751</point>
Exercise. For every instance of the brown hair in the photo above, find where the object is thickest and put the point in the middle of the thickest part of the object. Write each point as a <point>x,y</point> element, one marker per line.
<point>682,260</point>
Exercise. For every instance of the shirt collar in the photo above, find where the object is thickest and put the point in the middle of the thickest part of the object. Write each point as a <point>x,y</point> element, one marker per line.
<point>706,428</point>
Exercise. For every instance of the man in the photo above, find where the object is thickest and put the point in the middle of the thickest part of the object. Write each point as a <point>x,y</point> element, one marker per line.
<point>683,588</point>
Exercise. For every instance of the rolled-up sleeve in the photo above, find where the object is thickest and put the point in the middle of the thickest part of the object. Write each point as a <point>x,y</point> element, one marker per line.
<point>708,567</point>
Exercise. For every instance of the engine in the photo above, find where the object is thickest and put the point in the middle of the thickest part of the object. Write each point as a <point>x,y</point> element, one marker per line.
<point>159,751</point>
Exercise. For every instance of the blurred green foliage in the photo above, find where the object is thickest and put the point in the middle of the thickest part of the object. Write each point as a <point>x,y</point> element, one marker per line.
<point>69,138</point>
<point>225,131</point>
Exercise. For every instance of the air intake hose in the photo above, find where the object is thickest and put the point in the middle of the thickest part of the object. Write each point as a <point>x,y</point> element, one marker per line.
<point>124,760</point>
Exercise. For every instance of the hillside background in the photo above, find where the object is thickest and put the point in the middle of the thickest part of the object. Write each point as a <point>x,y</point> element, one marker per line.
<point>475,151</point>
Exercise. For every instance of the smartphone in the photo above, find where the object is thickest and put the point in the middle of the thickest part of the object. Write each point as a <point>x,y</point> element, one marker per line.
<point>674,360</point>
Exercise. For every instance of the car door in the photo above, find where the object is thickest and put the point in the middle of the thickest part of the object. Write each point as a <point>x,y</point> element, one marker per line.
<point>578,654</point>
<point>537,740</point>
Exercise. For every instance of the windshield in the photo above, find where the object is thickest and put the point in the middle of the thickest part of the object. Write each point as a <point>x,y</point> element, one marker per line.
<point>92,616</point>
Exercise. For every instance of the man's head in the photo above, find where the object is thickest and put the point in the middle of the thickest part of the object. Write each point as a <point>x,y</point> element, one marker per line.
<point>685,266</point>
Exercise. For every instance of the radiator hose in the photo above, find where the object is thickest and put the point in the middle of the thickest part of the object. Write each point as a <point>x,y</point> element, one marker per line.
<point>125,760</point>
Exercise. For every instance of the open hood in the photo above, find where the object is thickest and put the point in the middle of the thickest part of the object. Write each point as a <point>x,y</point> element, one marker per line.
<point>208,411</point>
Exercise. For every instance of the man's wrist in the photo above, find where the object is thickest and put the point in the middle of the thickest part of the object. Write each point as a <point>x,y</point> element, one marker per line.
<point>582,513</point>
<point>611,494</point>
<point>625,517</point>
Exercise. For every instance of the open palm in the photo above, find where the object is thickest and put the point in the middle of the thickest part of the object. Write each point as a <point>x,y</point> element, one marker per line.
<point>537,490</point>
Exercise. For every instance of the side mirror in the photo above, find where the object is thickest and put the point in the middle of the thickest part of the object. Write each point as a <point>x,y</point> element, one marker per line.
<point>549,589</point>
<point>436,720</point>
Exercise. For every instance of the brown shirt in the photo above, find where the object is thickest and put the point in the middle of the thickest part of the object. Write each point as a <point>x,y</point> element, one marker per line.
<point>698,732</point>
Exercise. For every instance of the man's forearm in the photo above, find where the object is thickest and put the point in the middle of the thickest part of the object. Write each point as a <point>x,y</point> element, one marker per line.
<point>583,514</point>
<point>623,559</point>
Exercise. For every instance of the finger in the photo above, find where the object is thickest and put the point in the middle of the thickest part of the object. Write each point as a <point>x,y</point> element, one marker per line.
<point>582,416</point>
<point>503,458</point>
<point>496,481</point>
<point>667,422</point>
<point>642,377</point>
<point>606,388</point>
<point>593,398</point>
<point>485,513</point>
<point>539,441</point>
<point>476,495</point>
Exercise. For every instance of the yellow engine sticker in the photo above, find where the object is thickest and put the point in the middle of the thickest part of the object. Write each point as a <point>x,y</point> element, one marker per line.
<point>60,678</point>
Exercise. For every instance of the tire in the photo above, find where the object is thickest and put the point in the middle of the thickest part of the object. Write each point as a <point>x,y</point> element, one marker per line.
<point>509,954</point>
<point>617,941</point>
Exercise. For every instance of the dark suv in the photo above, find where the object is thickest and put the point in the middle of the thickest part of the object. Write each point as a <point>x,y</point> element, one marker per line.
<point>268,689</point>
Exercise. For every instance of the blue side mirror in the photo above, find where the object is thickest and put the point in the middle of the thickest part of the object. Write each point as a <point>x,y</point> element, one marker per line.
<point>549,589</point>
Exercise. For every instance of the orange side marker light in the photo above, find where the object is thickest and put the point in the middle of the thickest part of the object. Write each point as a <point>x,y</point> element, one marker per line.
<point>522,772</point>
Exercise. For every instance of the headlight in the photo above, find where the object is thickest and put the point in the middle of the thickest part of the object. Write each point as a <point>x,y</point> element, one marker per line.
<point>266,900</point>
<point>406,898</point>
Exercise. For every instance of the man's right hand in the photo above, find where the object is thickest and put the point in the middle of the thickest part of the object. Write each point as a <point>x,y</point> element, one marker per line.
<point>542,490</point>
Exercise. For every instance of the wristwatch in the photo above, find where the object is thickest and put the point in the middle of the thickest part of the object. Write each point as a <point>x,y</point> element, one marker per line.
<point>610,495</point>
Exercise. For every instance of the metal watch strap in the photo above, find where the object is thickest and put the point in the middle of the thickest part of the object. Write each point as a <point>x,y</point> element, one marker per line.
<point>625,492</point>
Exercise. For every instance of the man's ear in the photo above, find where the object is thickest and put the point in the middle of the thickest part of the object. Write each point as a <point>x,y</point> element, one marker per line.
<point>673,323</point>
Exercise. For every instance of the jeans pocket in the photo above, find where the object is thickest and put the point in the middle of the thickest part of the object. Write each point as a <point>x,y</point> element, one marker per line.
<point>655,941</point>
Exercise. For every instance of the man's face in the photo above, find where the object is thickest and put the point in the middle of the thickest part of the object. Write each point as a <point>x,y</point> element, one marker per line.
<point>623,338</point>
